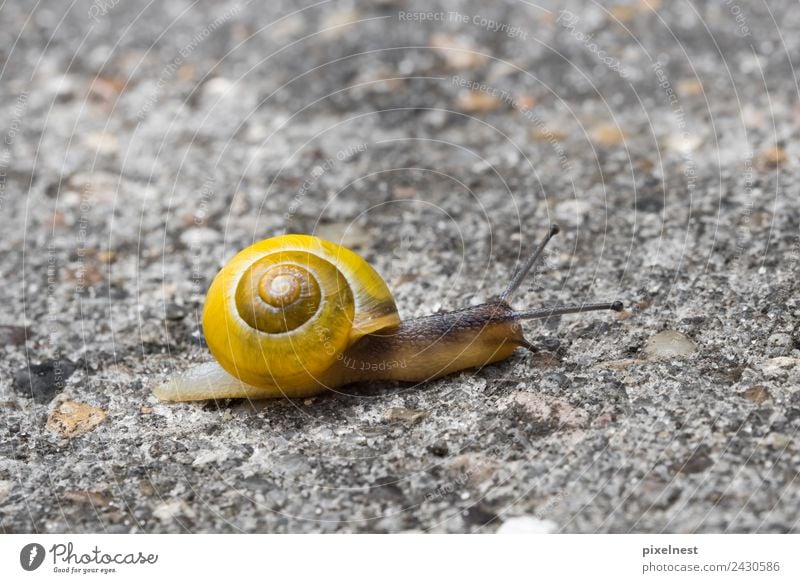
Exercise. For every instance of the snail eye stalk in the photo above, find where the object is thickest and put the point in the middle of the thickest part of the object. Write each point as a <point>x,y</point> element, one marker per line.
<point>523,271</point>
<point>540,313</point>
<point>560,310</point>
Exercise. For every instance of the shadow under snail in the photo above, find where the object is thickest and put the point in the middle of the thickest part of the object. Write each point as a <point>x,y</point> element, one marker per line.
<point>294,316</point>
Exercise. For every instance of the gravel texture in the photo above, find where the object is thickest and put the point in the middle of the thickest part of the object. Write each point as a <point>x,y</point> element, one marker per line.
<point>144,144</point>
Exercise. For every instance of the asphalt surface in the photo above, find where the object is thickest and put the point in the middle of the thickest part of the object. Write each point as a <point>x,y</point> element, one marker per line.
<point>144,144</point>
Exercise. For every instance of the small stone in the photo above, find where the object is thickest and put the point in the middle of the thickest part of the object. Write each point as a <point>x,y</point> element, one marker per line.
<point>546,409</point>
<point>544,358</point>
<point>199,236</point>
<point>206,457</point>
<point>556,380</point>
<point>546,134</point>
<point>107,257</point>
<point>174,312</point>
<point>58,220</point>
<point>218,88</point>
<point>64,88</point>
<point>478,515</point>
<point>526,102</point>
<point>603,420</point>
<point>757,394</point>
<point>458,52</point>
<point>772,157</point>
<point>168,511</point>
<point>500,70</point>
<point>649,5</point>
<point>572,210</point>
<point>99,187</point>
<point>623,13</point>
<point>434,119</point>
<point>650,202</point>
<point>103,143</point>
<point>406,415</point>
<point>477,102</point>
<point>779,344</point>
<point>780,367</point>
<point>683,143</point>
<point>349,235</point>
<point>404,192</point>
<point>472,467</point>
<point>775,440</point>
<point>697,462</point>
<point>72,419</point>
<point>88,498</point>
<point>5,489</point>
<point>146,488</point>
<point>106,89</point>
<point>86,276</point>
<point>623,315</point>
<point>690,87</point>
<point>668,344</point>
<point>13,335</point>
<point>645,164</point>
<point>439,448</point>
<point>617,364</point>
<point>43,381</point>
<point>339,23</point>
<point>608,135</point>
<point>527,525</point>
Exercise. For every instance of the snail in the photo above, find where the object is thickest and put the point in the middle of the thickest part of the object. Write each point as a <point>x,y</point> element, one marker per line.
<point>295,315</point>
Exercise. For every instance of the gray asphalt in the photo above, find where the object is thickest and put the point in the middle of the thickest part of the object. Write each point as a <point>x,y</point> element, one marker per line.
<point>143,145</point>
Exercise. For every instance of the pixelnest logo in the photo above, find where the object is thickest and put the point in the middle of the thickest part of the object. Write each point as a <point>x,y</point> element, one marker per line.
<point>31,556</point>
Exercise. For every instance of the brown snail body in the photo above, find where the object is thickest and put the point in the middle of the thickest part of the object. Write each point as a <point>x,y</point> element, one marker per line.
<point>341,328</point>
<point>432,346</point>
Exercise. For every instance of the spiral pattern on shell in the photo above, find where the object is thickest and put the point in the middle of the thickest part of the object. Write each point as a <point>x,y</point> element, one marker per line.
<point>277,295</point>
<point>281,311</point>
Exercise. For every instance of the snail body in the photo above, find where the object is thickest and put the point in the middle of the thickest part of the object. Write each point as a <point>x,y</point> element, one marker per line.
<point>294,316</point>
